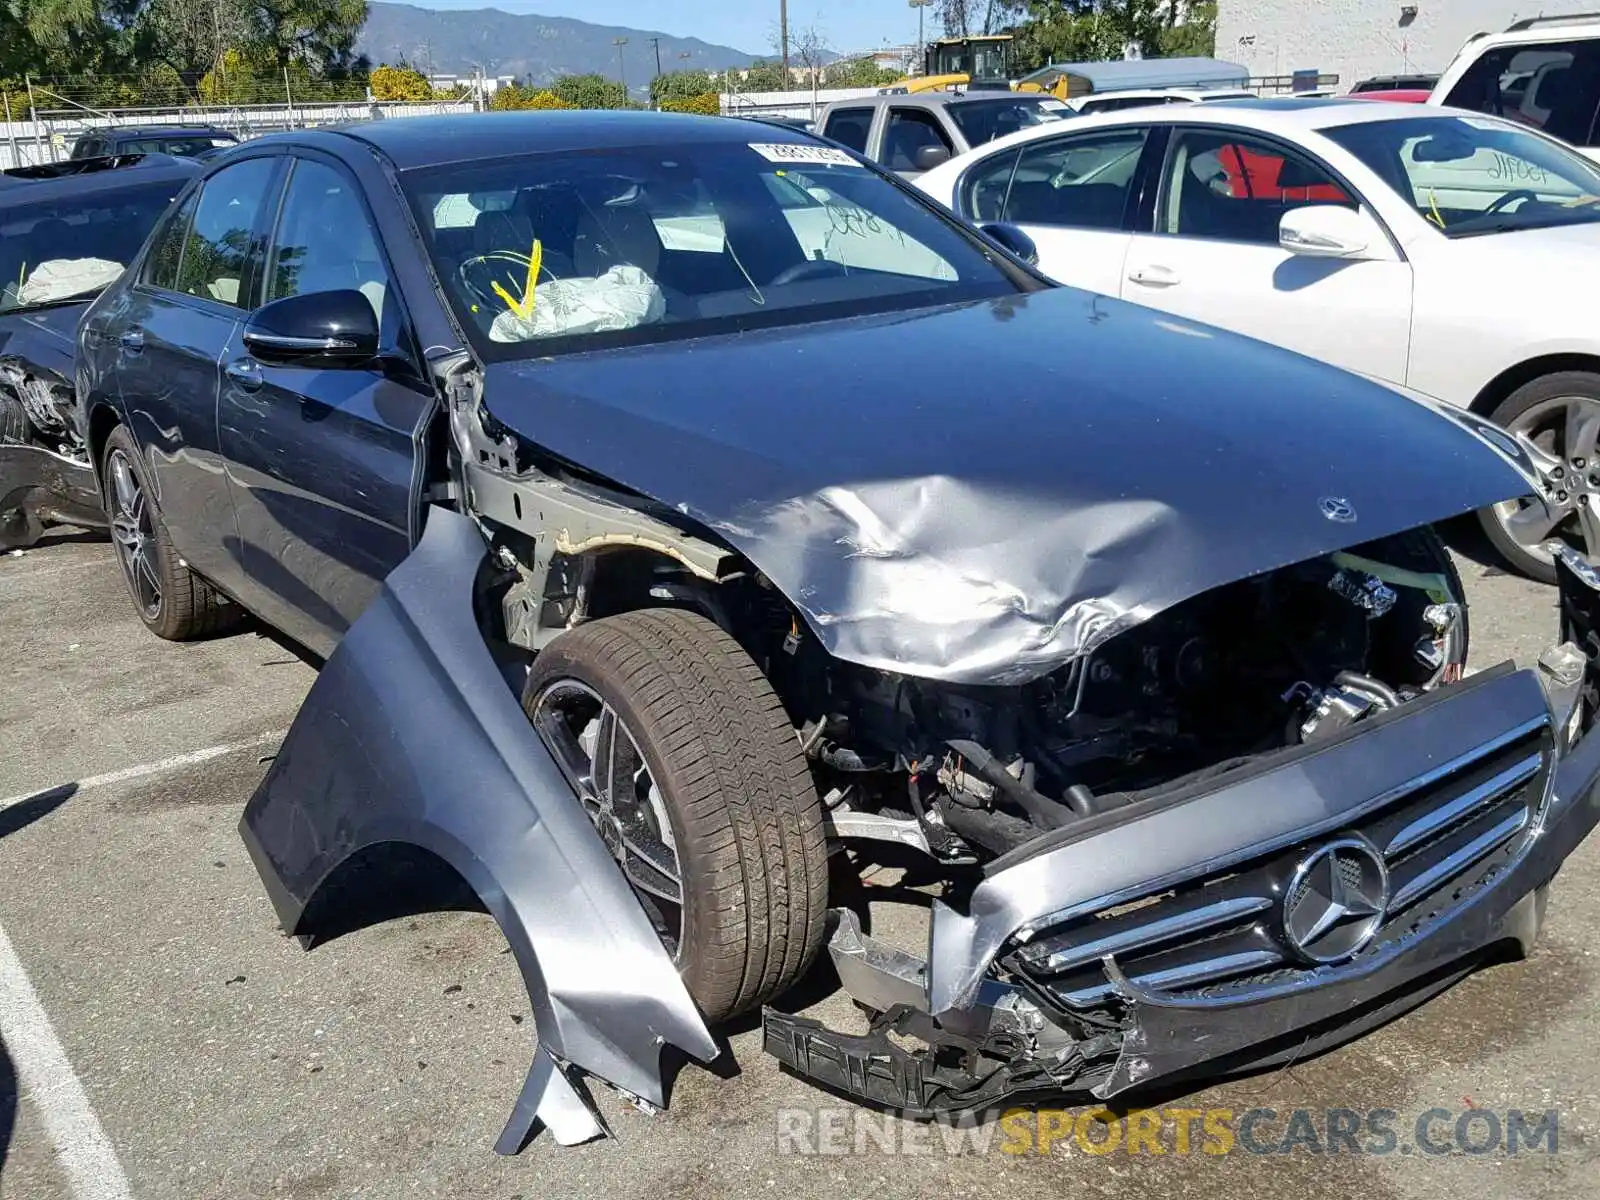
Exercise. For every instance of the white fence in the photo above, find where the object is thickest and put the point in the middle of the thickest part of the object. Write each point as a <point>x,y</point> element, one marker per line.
<point>787,104</point>
<point>49,137</point>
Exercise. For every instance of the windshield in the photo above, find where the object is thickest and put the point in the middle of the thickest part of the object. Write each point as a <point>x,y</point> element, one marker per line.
<point>1477,175</point>
<point>73,246</point>
<point>548,253</point>
<point>982,121</point>
<point>183,147</point>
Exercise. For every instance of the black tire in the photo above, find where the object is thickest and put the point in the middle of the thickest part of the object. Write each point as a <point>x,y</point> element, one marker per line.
<point>1583,384</point>
<point>744,811</point>
<point>188,607</point>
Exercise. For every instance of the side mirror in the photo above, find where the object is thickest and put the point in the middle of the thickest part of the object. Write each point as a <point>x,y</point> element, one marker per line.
<point>1013,239</point>
<point>928,157</point>
<point>1325,231</point>
<point>317,329</point>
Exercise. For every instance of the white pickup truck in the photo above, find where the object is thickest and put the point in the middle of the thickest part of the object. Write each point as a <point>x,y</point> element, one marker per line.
<point>913,134</point>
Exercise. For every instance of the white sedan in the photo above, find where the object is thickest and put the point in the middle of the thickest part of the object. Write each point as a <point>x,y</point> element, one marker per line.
<point>1450,253</point>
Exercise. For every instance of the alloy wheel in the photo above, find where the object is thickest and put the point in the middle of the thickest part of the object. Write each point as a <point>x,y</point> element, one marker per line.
<point>133,532</point>
<point>1560,435</point>
<point>603,764</point>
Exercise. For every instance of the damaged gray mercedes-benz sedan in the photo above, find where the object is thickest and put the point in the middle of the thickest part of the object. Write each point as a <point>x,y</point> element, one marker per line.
<point>686,509</point>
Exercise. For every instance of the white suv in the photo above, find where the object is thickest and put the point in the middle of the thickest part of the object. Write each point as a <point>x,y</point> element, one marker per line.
<point>1543,72</point>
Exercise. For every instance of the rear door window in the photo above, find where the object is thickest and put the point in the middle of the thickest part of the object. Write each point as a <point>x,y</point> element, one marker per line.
<point>850,127</point>
<point>1553,86</point>
<point>1082,182</point>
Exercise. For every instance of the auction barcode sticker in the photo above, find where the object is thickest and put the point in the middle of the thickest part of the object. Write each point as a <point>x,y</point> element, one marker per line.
<point>799,152</point>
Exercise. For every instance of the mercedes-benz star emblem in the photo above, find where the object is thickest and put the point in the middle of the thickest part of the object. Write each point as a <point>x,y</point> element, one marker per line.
<point>1337,508</point>
<point>1335,901</point>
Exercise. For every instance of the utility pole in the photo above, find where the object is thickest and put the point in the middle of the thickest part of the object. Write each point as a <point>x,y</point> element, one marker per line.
<point>656,42</point>
<point>922,49</point>
<point>783,38</point>
<point>622,70</point>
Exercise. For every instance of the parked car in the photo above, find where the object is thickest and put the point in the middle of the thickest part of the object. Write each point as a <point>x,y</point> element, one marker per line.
<point>1103,102</point>
<point>657,546</point>
<point>1357,233</point>
<point>66,230</point>
<point>1395,83</point>
<point>182,141</point>
<point>911,134</point>
<point>1543,72</point>
<point>1398,96</point>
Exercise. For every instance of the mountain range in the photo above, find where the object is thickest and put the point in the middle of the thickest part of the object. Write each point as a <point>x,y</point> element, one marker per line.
<point>530,47</point>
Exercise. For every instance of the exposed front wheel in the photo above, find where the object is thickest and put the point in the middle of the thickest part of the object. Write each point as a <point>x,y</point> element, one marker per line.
<point>686,762</point>
<point>1560,415</point>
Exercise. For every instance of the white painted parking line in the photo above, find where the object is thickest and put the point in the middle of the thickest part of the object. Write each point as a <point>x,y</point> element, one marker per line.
<point>48,1080</point>
<point>192,758</point>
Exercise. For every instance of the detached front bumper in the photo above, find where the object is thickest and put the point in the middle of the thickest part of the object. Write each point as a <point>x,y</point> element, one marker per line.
<point>1157,943</point>
<point>39,488</point>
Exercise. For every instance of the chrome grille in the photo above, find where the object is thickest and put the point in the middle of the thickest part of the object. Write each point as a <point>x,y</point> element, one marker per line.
<point>1224,935</point>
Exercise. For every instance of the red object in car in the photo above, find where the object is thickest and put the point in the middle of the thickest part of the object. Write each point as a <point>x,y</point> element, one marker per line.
<point>1256,176</point>
<point>1397,96</point>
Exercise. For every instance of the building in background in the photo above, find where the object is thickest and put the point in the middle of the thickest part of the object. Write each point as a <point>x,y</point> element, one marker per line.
<point>490,83</point>
<point>1356,39</point>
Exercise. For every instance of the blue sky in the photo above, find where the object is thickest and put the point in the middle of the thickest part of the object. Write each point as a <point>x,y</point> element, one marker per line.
<point>743,24</point>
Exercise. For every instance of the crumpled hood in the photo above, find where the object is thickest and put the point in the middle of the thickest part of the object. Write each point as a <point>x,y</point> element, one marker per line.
<point>978,493</point>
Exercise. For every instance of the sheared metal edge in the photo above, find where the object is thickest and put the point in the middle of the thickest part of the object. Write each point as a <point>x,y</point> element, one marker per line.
<point>410,735</point>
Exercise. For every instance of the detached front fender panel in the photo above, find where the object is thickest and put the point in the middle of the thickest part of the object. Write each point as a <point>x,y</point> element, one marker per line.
<point>412,735</point>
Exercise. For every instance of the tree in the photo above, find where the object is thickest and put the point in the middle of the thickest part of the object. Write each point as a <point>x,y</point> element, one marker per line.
<point>1194,36</point>
<point>764,77</point>
<point>591,91</point>
<point>963,18</point>
<point>708,104</point>
<point>858,73</point>
<point>809,46</point>
<point>399,83</point>
<point>680,85</point>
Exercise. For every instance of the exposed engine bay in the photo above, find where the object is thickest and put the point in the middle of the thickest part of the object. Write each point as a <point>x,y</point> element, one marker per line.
<point>36,410</point>
<point>45,473</point>
<point>1281,659</point>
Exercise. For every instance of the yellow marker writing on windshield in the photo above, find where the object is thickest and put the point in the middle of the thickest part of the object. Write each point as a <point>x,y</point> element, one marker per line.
<point>523,308</point>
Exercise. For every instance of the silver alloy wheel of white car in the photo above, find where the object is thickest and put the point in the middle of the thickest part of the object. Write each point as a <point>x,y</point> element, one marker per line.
<point>1561,435</point>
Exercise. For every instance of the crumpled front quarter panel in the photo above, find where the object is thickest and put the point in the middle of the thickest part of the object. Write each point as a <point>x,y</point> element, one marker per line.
<point>411,735</point>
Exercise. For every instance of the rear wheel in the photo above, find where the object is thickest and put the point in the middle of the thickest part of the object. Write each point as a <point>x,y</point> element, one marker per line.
<point>687,763</point>
<point>1560,415</point>
<point>172,601</point>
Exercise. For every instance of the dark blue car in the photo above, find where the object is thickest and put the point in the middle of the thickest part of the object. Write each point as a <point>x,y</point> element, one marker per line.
<point>66,230</point>
<point>679,502</point>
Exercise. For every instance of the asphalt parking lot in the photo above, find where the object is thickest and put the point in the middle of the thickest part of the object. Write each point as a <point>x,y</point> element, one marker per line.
<point>181,1046</point>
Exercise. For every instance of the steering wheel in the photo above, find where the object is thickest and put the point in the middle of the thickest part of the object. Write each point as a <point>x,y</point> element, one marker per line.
<point>812,268</point>
<point>1510,198</point>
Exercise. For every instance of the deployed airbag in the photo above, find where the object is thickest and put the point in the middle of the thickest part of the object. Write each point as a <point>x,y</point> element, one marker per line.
<point>60,278</point>
<point>622,298</point>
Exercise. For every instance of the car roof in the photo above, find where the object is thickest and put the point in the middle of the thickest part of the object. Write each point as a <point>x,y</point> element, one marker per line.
<point>1285,116</point>
<point>1577,28</point>
<point>412,143</point>
<point>25,185</point>
<point>936,99</point>
<point>156,131</point>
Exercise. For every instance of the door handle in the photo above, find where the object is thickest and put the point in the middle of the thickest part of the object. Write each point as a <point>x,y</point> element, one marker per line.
<point>245,372</point>
<point>1155,275</point>
<point>132,341</point>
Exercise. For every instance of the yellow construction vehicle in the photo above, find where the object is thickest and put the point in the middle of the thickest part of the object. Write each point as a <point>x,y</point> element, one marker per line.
<point>966,63</point>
